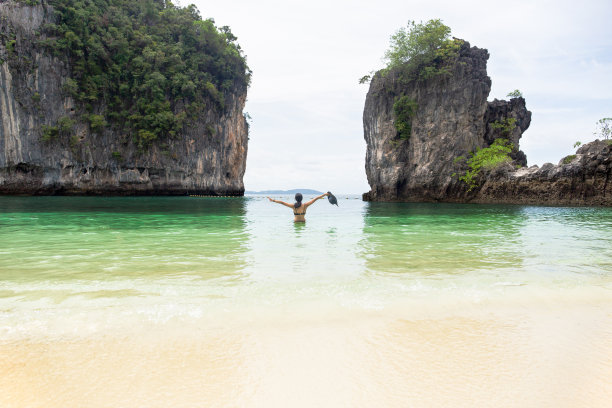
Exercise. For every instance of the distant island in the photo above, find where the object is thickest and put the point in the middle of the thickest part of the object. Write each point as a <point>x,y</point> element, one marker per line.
<point>303,191</point>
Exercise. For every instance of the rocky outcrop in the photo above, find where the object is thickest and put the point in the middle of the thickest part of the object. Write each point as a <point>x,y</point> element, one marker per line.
<point>453,119</point>
<point>209,157</point>
<point>498,111</point>
<point>581,179</point>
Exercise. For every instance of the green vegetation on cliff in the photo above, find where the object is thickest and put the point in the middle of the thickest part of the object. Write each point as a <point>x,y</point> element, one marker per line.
<point>145,67</point>
<point>515,94</point>
<point>568,159</point>
<point>486,158</point>
<point>505,126</point>
<point>420,51</point>
<point>404,109</point>
<point>417,52</point>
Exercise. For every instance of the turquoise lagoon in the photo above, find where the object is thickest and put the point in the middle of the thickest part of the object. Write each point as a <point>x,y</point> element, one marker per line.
<point>184,301</point>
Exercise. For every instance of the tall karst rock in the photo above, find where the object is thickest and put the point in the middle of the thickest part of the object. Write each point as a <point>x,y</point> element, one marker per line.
<point>49,143</point>
<point>452,119</point>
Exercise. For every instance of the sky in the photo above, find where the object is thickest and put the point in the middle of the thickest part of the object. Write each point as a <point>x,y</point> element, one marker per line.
<point>306,103</point>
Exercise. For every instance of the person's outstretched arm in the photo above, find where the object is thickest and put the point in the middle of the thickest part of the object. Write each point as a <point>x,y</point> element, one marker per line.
<point>280,202</point>
<point>315,199</point>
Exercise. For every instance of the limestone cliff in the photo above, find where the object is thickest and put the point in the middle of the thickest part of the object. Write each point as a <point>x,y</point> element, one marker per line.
<point>207,157</point>
<point>453,118</point>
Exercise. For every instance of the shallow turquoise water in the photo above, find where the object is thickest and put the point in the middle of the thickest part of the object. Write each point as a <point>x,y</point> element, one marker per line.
<point>182,255</point>
<point>186,302</point>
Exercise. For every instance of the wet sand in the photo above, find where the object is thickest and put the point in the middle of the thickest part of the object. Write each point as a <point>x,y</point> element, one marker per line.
<point>534,354</point>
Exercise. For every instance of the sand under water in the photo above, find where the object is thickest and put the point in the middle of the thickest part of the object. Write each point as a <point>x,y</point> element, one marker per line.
<point>183,302</point>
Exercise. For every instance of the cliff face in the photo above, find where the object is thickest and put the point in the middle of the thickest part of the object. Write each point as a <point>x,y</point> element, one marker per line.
<point>208,157</point>
<point>453,119</point>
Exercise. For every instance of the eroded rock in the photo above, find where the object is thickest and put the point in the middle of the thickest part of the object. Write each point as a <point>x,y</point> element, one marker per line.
<point>454,119</point>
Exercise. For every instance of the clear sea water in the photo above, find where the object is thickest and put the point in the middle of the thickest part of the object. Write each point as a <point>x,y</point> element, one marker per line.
<point>185,301</point>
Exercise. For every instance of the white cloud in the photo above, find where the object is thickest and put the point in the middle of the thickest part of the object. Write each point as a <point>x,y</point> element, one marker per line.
<point>307,57</point>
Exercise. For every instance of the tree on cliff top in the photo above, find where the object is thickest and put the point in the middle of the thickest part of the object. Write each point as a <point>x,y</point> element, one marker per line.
<point>416,43</point>
<point>421,50</point>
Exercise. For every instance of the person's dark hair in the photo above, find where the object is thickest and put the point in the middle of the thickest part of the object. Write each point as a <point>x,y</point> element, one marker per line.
<point>298,200</point>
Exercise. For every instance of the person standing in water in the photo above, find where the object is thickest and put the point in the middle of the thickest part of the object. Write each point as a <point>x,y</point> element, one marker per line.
<point>299,209</point>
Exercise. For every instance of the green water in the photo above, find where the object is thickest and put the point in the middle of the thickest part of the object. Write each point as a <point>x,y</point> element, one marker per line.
<point>65,260</point>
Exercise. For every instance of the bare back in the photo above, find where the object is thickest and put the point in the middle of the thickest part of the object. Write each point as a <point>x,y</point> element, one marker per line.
<point>300,212</point>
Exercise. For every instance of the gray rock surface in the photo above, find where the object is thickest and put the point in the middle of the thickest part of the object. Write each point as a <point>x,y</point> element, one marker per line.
<point>584,179</point>
<point>209,157</point>
<point>454,119</point>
